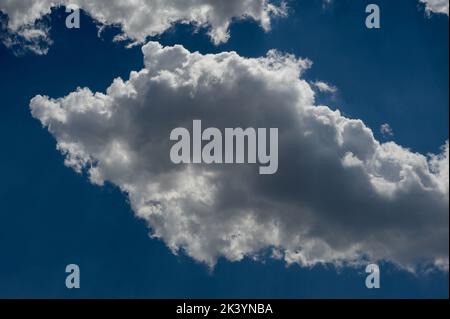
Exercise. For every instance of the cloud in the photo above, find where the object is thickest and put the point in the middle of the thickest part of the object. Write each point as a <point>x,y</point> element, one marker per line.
<point>27,39</point>
<point>431,6</point>
<point>436,6</point>
<point>140,19</point>
<point>386,130</point>
<point>339,195</point>
<point>324,87</point>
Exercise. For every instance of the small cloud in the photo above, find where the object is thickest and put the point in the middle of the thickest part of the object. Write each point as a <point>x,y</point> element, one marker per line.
<point>436,6</point>
<point>324,87</point>
<point>386,130</point>
<point>30,38</point>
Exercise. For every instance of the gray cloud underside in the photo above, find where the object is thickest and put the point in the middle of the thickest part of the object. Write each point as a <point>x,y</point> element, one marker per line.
<point>339,195</point>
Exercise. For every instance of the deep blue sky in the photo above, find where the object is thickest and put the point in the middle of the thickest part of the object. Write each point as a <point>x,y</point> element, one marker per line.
<point>50,216</point>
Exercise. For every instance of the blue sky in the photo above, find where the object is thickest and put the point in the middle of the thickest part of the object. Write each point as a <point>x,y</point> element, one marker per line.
<point>50,216</point>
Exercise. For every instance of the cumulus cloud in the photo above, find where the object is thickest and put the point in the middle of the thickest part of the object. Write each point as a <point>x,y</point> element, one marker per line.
<point>339,195</point>
<point>140,19</point>
<point>436,6</point>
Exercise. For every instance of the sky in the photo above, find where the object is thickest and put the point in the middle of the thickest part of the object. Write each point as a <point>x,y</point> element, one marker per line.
<point>52,216</point>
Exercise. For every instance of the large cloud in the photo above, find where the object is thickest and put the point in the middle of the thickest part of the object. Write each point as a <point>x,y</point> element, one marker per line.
<point>339,194</point>
<point>436,6</point>
<point>139,19</point>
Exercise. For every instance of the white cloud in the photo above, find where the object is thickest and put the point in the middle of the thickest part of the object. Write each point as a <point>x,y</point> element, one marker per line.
<point>26,39</point>
<point>436,6</point>
<point>386,130</point>
<point>325,87</point>
<point>140,19</point>
<point>339,194</point>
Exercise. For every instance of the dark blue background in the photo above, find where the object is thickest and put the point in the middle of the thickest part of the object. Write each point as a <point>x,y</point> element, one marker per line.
<point>50,216</point>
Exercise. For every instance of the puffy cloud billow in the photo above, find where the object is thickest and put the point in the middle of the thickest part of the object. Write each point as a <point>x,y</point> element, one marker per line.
<point>339,195</point>
<point>138,19</point>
